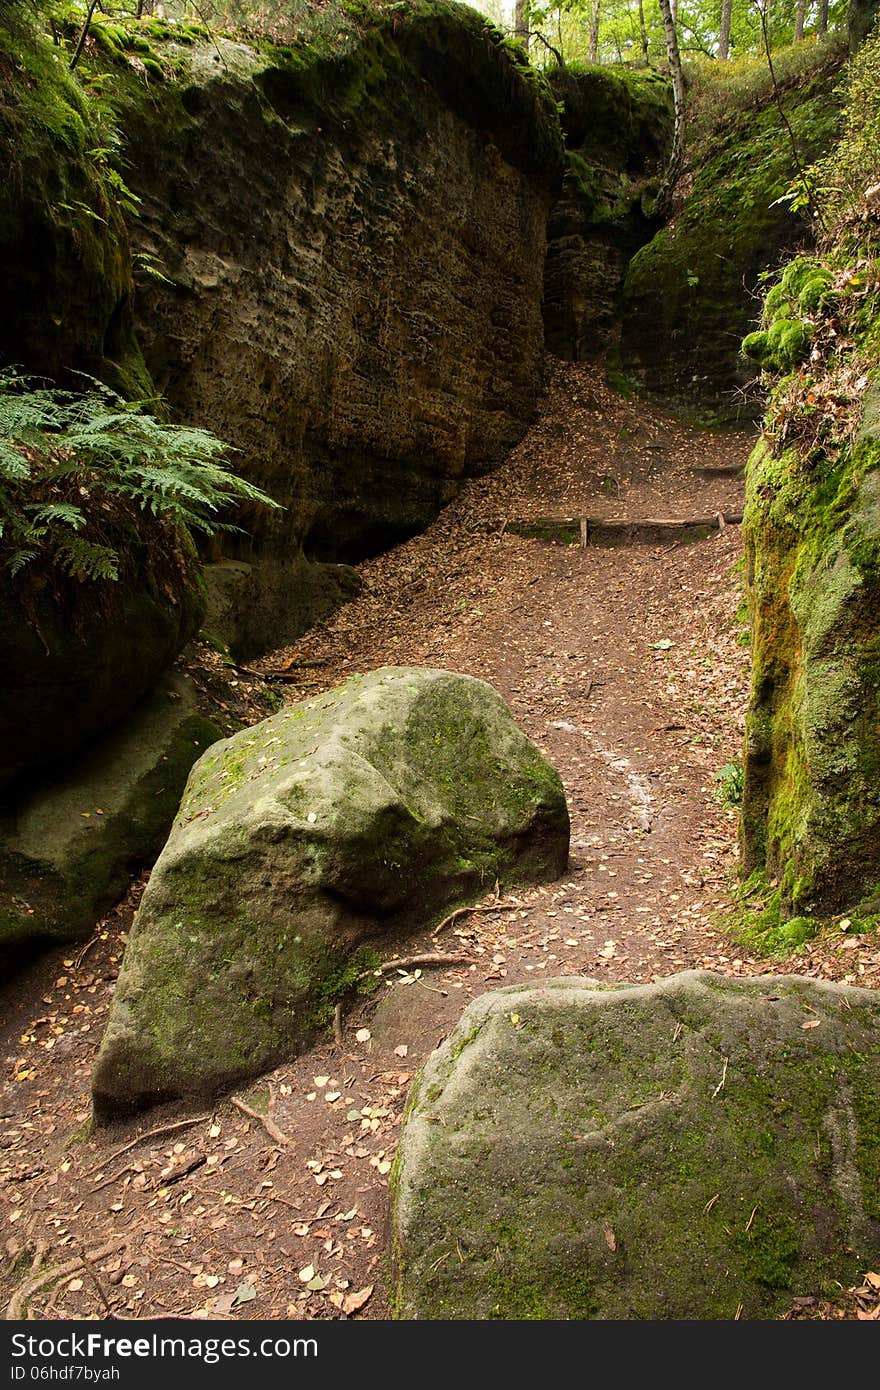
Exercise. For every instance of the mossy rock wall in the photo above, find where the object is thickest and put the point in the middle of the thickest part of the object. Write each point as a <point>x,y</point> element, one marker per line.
<point>811,805</point>
<point>349,820</point>
<point>65,265</point>
<point>76,656</point>
<point>69,842</point>
<point>698,1148</point>
<point>355,242</point>
<point>617,124</point>
<point>690,293</point>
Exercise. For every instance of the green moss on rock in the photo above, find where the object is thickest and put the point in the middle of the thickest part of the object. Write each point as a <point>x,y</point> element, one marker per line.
<point>679,1150</point>
<point>689,296</point>
<point>65,268</point>
<point>68,844</point>
<point>364,813</point>
<point>618,128</point>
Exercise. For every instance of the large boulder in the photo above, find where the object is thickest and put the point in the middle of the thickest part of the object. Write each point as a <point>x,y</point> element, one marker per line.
<point>355,817</point>
<point>351,230</point>
<point>695,1148</point>
<point>68,842</point>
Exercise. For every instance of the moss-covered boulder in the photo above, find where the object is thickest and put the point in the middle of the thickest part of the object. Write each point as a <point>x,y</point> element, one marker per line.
<point>351,230</point>
<point>698,1148</point>
<point>690,293</point>
<point>358,816</point>
<point>68,844</point>
<point>617,124</point>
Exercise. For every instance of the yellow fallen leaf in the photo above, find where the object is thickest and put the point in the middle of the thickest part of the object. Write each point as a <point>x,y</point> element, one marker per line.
<point>307,1273</point>
<point>353,1302</point>
<point>514,1018</point>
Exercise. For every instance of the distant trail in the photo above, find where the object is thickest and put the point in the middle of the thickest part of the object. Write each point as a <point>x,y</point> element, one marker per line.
<point>623,662</point>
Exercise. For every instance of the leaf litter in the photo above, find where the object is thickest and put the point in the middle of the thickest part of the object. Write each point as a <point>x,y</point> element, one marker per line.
<point>626,665</point>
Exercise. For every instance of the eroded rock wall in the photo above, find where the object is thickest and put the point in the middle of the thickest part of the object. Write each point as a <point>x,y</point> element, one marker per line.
<point>355,246</point>
<point>618,126</point>
<point>691,293</point>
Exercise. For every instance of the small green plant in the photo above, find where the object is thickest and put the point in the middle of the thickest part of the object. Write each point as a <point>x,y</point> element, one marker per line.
<point>78,470</point>
<point>729,785</point>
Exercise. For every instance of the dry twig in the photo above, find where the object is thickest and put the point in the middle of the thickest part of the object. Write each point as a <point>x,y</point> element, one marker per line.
<point>428,958</point>
<point>266,1121</point>
<point>34,1282</point>
<point>156,1133</point>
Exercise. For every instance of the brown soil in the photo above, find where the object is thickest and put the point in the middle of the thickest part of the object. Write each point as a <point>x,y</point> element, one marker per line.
<point>627,666</point>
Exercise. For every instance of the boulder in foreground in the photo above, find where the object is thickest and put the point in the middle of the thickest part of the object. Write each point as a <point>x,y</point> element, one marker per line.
<point>354,817</point>
<point>682,1150</point>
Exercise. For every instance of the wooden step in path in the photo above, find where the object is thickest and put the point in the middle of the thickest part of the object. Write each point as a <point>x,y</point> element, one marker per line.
<point>594,530</point>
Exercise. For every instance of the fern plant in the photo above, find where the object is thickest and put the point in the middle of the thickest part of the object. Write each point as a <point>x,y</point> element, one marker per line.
<point>78,471</point>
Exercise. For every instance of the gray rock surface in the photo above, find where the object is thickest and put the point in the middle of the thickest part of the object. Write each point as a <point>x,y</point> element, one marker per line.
<point>684,1149</point>
<point>352,818</point>
<point>355,244</point>
<point>67,844</point>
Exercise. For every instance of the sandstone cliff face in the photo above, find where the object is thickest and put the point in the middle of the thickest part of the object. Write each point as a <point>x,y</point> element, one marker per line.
<point>355,244</point>
<point>618,127</point>
<point>690,293</point>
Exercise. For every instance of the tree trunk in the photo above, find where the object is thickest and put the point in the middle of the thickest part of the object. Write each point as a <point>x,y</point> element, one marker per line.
<point>822,26</point>
<point>800,15</point>
<point>77,52</point>
<point>521,22</point>
<point>724,31</point>
<point>594,31</point>
<point>673,169</point>
<point>643,33</point>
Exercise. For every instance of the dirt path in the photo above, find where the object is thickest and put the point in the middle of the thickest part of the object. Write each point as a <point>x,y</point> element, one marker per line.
<point>626,665</point>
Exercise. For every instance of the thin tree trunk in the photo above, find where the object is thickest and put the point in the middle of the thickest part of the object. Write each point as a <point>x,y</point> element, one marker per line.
<point>724,32</point>
<point>643,33</point>
<point>673,10</point>
<point>800,15</point>
<point>521,22</point>
<point>82,38</point>
<point>594,31</point>
<point>673,169</point>
<point>822,26</point>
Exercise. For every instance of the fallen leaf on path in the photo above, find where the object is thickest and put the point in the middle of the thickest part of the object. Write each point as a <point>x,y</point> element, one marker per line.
<point>353,1302</point>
